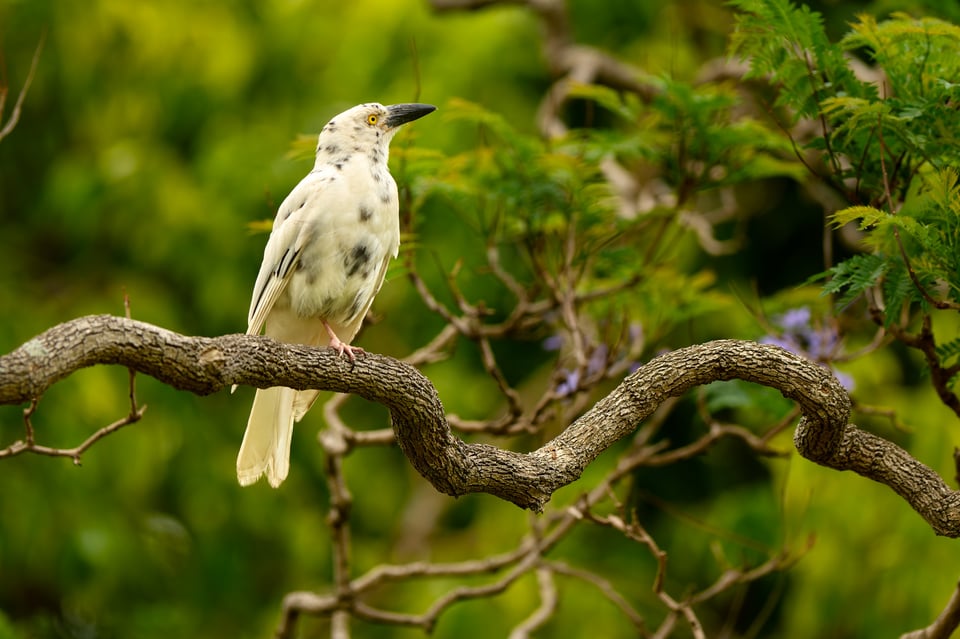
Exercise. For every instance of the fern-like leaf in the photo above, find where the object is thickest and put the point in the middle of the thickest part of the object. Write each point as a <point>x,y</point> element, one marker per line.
<point>852,277</point>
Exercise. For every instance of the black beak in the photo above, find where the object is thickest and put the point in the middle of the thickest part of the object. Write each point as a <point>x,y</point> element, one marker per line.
<point>398,114</point>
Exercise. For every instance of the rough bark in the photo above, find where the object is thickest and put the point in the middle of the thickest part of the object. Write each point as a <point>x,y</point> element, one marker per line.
<point>205,365</point>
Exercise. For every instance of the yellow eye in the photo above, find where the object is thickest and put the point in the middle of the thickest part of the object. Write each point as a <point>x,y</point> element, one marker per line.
<point>372,118</point>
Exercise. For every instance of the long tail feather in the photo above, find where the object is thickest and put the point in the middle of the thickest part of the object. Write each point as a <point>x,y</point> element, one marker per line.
<point>303,402</point>
<point>266,442</point>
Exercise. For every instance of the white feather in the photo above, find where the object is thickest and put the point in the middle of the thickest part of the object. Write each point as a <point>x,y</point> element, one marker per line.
<point>325,261</point>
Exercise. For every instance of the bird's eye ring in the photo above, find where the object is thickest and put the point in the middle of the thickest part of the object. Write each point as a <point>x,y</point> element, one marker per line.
<point>372,118</point>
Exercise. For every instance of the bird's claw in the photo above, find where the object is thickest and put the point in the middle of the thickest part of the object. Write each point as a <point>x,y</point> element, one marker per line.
<point>342,348</point>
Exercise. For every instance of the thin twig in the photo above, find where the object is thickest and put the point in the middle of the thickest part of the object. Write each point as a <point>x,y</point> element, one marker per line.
<point>14,118</point>
<point>29,445</point>
<point>546,609</point>
<point>606,589</point>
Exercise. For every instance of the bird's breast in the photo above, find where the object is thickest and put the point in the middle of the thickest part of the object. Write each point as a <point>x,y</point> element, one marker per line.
<point>344,253</point>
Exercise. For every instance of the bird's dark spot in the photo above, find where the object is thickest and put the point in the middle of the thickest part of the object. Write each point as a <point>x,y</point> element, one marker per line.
<point>356,148</point>
<point>385,196</point>
<point>356,306</point>
<point>339,165</point>
<point>332,148</point>
<point>326,307</point>
<point>377,177</point>
<point>310,237</point>
<point>331,126</point>
<point>359,128</point>
<point>365,213</point>
<point>358,258</point>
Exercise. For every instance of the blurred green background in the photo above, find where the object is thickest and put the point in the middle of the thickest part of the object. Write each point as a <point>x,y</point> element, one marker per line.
<point>155,133</point>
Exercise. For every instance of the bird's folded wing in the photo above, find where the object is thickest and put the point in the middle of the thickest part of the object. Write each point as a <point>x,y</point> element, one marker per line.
<point>282,252</point>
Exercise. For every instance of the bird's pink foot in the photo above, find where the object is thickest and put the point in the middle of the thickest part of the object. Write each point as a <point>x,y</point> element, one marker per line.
<point>342,347</point>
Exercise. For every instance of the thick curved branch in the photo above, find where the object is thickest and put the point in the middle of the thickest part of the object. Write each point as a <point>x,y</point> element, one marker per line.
<point>204,365</point>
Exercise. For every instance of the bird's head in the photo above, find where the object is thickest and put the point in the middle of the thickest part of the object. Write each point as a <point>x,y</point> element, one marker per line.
<point>369,125</point>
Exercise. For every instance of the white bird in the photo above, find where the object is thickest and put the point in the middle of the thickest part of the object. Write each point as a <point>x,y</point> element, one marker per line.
<point>323,264</point>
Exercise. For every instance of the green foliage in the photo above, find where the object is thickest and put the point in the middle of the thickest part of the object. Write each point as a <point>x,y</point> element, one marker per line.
<point>855,275</point>
<point>158,138</point>
<point>550,211</point>
<point>880,139</point>
<point>695,134</point>
<point>919,55</point>
<point>914,254</point>
<point>949,351</point>
<point>787,44</point>
<point>888,145</point>
<point>754,405</point>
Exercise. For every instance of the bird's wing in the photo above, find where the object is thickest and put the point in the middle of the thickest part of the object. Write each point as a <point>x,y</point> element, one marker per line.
<point>282,251</point>
<point>381,276</point>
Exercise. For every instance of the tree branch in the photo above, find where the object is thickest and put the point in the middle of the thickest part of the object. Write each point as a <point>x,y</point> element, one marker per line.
<point>204,365</point>
<point>944,625</point>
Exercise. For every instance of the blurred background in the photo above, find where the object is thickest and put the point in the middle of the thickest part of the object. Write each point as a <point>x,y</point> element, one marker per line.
<point>154,139</point>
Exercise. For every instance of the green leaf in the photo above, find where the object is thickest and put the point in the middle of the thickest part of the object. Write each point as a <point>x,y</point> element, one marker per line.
<point>852,277</point>
<point>898,291</point>
<point>948,350</point>
<point>868,215</point>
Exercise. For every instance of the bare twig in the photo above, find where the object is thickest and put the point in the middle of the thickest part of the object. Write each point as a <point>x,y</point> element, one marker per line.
<point>29,445</point>
<point>14,117</point>
<point>605,588</point>
<point>548,605</point>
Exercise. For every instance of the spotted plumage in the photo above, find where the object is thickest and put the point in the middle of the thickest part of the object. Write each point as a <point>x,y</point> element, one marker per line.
<point>323,264</point>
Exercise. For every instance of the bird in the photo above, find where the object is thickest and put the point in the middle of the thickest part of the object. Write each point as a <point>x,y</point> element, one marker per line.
<point>323,264</point>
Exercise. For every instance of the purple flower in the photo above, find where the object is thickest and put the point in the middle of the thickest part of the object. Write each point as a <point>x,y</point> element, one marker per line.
<point>845,379</point>
<point>598,359</point>
<point>796,320</point>
<point>822,343</point>
<point>568,385</point>
<point>783,342</point>
<point>552,343</point>
<point>800,336</point>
